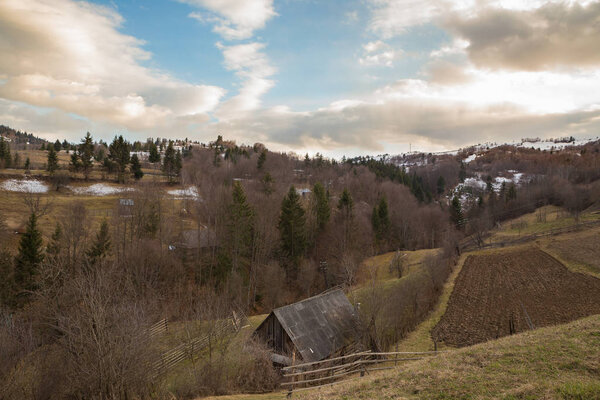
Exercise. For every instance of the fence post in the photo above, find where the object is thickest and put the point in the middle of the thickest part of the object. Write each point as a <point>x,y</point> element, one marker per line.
<point>289,394</point>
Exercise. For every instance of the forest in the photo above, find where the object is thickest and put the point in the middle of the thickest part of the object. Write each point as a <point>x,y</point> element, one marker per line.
<point>270,228</point>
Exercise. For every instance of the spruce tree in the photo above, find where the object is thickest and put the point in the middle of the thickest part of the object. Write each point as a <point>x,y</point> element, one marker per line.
<point>240,228</point>
<point>52,163</point>
<point>169,166</point>
<point>29,257</point>
<point>27,165</point>
<point>136,167</point>
<point>292,222</point>
<point>119,155</point>
<point>512,193</point>
<point>462,174</point>
<point>267,182</point>
<point>441,185</point>
<point>261,160</point>
<point>57,146</point>
<point>75,163</point>
<point>55,246</point>
<point>321,205</point>
<point>101,246</point>
<point>154,156</point>
<point>346,206</point>
<point>86,154</point>
<point>16,160</point>
<point>456,215</point>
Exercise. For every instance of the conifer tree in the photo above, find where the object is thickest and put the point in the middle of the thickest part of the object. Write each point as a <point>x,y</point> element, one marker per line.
<point>27,165</point>
<point>261,160</point>
<point>292,222</point>
<point>456,215</point>
<point>240,228</point>
<point>462,173</point>
<point>57,146</point>
<point>512,192</point>
<point>441,185</point>
<point>86,155</point>
<point>52,163</point>
<point>381,220</point>
<point>169,166</point>
<point>16,160</point>
<point>119,155</point>
<point>101,246</point>
<point>321,205</point>
<point>154,156</point>
<point>75,163</point>
<point>267,182</point>
<point>30,255</point>
<point>5,157</point>
<point>136,167</point>
<point>346,206</point>
<point>55,246</point>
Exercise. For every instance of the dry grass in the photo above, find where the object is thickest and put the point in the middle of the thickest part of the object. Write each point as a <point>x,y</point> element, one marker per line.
<point>579,251</point>
<point>559,362</point>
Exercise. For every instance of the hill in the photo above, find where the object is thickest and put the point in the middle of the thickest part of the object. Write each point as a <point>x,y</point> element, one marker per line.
<point>553,363</point>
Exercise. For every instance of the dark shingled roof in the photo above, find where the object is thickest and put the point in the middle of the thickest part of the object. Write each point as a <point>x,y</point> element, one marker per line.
<point>320,325</point>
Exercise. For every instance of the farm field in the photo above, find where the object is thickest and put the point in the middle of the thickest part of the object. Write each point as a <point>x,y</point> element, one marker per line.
<point>581,249</point>
<point>514,290</point>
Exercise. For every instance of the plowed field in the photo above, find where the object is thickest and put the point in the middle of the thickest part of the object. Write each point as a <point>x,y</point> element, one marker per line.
<point>510,292</point>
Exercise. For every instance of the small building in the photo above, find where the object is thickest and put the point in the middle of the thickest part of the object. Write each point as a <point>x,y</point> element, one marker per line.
<point>191,243</point>
<point>126,208</point>
<point>316,328</point>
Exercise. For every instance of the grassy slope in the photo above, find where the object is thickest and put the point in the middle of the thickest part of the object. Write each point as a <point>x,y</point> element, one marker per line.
<point>553,362</point>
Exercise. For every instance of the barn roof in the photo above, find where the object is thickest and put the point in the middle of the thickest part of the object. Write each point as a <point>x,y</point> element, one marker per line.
<point>320,325</point>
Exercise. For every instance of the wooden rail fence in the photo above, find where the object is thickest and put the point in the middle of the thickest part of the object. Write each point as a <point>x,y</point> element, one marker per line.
<point>335,370</point>
<point>171,358</point>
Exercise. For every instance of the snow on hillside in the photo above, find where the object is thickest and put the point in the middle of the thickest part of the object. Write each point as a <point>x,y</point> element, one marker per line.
<point>28,186</point>
<point>99,189</point>
<point>191,192</point>
<point>470,158</point>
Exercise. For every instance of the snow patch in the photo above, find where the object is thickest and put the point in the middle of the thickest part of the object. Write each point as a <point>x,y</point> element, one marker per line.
<point>191,192</point>
<point>470,158</point>
<point>99,189</point>
<point>28,186</point>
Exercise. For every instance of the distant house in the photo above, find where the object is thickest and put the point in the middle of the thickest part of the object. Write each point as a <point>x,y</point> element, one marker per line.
<point>191,243</point>
<point>314,329</point>
<point>303,192</point>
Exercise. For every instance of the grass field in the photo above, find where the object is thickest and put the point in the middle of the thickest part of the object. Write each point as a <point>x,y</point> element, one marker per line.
<point>559,362</point>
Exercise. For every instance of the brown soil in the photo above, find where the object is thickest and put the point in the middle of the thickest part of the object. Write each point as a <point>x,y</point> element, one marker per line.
<point>495,294</point>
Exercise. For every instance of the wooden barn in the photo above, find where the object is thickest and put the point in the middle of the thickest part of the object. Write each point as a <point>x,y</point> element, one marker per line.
<point>313,329</point>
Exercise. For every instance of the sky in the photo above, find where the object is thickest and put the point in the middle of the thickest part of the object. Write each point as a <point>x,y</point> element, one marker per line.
<point>337,77</point>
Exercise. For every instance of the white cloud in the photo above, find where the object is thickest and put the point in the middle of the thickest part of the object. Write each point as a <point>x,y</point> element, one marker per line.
<point>70,57</point>
<point>378,53</point>
<point>252,67</point>
<point>234,19</point>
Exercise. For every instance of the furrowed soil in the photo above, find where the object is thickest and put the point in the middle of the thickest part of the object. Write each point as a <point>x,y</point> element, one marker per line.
<point>509,292</point>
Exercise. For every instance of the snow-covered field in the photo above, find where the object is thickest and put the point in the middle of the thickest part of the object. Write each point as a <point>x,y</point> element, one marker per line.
<point>191,192</point>
<point>28,186</point>
<point>470,158</point>
<point>99,189</point>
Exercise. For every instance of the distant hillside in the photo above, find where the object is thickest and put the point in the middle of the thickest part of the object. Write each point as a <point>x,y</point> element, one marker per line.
<point>18,137</point>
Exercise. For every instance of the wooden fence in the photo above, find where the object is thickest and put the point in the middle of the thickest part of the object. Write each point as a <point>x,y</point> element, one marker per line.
<point>335,370</point>
<point>471,244</point>
<point>171,358</point>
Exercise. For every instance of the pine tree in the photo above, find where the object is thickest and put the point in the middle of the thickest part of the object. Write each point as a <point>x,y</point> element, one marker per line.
<point>16,160</point>
<point>86,154</point>
<point>512,193</point>
<point>346,206</point>
<point>321,206</point>
<point>488,184</point>
<point>4,150</point>
<point>30,256</point>
<point>261,160</point>
<point>101,246</point>
<point>136,167</point>
<point>75,164</point>
<point>27,165</point>
<point>178,162</point>
<point>240,228</point>
<point>456,215</point>
<point>292,222</point>
<point>66,145</point>
<point>267,182</point>
<point>154,156</point>
<point>55,246</point>
<point>462,174</point>
<point>52,164</point>
<point>441,185</point>
<point>119,155</point>
<point>57,146</point>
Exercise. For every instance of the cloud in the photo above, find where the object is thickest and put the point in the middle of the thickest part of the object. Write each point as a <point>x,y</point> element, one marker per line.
<point>234,19</point>
<point>69,56</point>
<point>551,36</point>
<point>252,67</point>
<point>447,73</point>
<point>378,53</point>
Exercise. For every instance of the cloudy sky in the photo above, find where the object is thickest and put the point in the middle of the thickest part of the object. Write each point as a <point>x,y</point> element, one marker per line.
<point>336,76</point>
